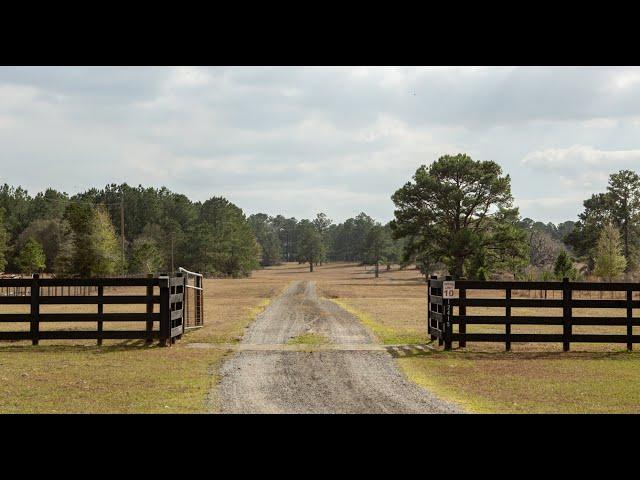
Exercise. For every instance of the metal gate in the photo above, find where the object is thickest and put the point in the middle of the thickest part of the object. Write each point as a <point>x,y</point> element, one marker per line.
<point>193,299</point>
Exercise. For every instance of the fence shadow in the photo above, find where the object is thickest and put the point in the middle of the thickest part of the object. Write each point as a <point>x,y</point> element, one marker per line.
<point>407,351</point>
<point>127,345</point>
<point>430,350</point>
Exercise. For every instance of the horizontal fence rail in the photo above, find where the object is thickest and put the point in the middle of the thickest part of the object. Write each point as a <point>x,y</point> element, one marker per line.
<point>169,318</point>
<point>441,317</point>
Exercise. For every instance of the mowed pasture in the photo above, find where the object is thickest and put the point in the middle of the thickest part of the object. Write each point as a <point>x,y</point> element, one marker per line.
<point>533,377</point>
<point>64,376</point>
<point>129,377</point>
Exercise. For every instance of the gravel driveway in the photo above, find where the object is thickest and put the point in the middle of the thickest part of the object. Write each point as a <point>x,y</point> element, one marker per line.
<point>321,381</point>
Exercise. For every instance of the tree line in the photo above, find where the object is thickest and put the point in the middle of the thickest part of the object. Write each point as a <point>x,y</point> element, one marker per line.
<point>318,240</point>
<point>458,215</point>
<point>82,234</point>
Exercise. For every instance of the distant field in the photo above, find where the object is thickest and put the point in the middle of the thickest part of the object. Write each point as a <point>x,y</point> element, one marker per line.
<point>66,376</point>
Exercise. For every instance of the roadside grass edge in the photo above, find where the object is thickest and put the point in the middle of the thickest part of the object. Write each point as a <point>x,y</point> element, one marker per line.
<point>384,334</point>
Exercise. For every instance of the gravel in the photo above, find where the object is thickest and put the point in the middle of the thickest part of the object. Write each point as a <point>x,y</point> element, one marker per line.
<point>321,381</point>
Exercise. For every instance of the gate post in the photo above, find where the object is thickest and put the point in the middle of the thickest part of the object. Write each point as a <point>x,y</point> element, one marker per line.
<point>165,311</point>
<point>462,312</point>
<point>149,339</point>
<point>629,320</point>
<point>100,314</point>
<point>507,326</point>
<point>35,309</point>
<point>440,323</point>
<point>566,314</point>
<point>429,319</point>
<point>446,317</point>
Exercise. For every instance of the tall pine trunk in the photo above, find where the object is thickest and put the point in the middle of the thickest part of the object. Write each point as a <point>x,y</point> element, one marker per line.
<point>459,267</point>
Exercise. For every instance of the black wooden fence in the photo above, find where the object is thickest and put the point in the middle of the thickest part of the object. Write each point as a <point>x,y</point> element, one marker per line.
<point>166,325</point>
<point>441,318</point>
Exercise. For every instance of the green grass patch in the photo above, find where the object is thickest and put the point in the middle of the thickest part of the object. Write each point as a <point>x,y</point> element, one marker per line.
<point>126,377</point>
<point>551,382</point>
<point>108,379</point>
<point>309,338</point>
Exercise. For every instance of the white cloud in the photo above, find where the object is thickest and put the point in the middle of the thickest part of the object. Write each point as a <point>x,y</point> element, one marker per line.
<point>273,138</point>
<point>626,79</point>
<point>582,159</point>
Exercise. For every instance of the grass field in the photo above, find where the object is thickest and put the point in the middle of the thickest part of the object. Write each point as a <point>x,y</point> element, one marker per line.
<point>128,377</point>
<point>60,376</point>
<point>536,378</point>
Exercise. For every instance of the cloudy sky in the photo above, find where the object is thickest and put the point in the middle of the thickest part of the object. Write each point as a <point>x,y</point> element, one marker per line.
<point>307,139</point>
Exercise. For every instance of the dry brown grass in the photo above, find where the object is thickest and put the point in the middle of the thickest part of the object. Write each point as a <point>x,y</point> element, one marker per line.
<point>533,378</point>
<point>393,306</point>
<point>65,376</point>
<point>129,377</point>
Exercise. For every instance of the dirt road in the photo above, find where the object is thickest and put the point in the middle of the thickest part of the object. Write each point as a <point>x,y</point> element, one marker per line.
<point>321,381</point>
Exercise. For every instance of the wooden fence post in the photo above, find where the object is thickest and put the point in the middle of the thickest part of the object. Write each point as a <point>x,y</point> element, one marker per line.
<point>100,313</point>
<point>629,320</point>
<point>149,292</point>
<point>507,326</point>
<point>447,324</point>
<point>165,311</point>
<point>440,323</point>
<point>566,314</point>
<point>429,320</point>
<point>35,309</point>
<point>446,308</point>
<point>462,311</point>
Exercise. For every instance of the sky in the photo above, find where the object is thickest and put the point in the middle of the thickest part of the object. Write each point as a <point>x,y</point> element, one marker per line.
<point>301,140</point>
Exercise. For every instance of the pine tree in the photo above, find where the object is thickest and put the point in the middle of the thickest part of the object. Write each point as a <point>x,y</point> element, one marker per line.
<point>221,242</point>
<point>95,243</point>
<point>310,246</point>
<point>3,242</point>
<point>378,244</point>
<point>322,224</point>
<point>624,192</point>
<point>609,261</point>
<point>31,258</point>
<point>456,206</point>
<point>267,236</point>
<point>564,266</point>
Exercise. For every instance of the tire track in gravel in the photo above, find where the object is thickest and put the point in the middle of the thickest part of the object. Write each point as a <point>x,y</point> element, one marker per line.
<point>321,381</point>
